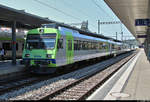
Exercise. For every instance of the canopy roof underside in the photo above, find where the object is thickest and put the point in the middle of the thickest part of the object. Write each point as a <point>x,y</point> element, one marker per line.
<point>130,10</point>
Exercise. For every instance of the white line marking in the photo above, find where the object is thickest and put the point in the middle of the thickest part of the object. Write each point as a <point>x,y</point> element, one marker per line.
<point>107,82</point>
<point>120,83</point>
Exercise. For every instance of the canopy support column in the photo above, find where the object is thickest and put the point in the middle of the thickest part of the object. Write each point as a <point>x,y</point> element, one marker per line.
<point>14,43</point>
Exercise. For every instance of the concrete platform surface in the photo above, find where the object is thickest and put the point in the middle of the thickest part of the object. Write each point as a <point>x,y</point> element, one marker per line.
<point>131,82</point>
<point>6,67</point>
<point>138,85</point>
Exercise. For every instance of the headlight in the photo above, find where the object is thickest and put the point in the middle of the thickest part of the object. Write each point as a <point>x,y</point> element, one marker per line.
<point>27,55</point>
<point>49,55</point>
<point>41,30</point>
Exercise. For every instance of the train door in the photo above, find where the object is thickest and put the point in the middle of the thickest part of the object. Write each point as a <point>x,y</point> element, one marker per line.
<point>69,48</point>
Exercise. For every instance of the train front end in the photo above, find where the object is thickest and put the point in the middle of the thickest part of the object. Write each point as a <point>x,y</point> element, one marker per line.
<point>40,50</point>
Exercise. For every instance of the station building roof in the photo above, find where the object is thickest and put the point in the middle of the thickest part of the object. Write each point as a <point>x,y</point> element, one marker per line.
<point>130,10</point>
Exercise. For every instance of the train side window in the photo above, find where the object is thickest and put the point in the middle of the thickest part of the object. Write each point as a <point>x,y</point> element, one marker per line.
<point>100,45</point>
<point>61,41</point>
<point>92,45</point>
<point>112,46</point>
<point>69,44</point>
<point>79,45</point>
<point>89,45</point>
<point>16,46</point>
<point>7,46</point>
<point>60,44</point>
<point>75,45</point>
<point>95,44</point>
<point>86,45</point>
<point>104,45</point>
<point>82,45</point>
<point>22,46</point>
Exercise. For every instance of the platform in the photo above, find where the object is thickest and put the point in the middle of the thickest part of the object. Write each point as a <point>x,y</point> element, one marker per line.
<point>131,82</point>
<point>138,85</point>
<point>6,67</point>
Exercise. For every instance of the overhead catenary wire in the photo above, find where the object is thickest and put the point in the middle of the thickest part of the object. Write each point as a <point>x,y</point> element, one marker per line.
<point>79,10</point>
<point>58,10</point>
<point>97,5</point>
<point>94,2</point>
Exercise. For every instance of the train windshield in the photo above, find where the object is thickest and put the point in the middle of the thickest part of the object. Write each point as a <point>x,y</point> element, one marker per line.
<point>44,41</point>
<point>48,43</point>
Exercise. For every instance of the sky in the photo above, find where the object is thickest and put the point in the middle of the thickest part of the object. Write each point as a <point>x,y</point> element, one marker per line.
<point>74,11</point>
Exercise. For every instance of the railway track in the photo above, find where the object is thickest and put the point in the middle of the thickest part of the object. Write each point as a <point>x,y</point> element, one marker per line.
<point>57,92</point>
<point>54,88</point>
<point>18,80</point>
<point>83,87</point>
<point>8,84</point>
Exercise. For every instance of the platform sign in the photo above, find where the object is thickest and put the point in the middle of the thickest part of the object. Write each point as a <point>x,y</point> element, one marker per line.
<point>141,36</point>
<point>142,22</point>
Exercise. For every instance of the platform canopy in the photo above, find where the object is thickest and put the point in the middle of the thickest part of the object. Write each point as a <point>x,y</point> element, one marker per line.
<point>23,19</point>
<point>129,11</point>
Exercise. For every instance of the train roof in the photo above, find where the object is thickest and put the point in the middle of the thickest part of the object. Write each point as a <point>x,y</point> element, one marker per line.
<point>57,25</point>
<point>77,34</point>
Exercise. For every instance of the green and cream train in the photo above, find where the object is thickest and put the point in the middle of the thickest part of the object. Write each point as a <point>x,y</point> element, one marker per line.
<point>46,48</point>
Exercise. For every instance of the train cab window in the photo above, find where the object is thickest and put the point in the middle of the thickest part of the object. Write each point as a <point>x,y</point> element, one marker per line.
<point>43,41</point>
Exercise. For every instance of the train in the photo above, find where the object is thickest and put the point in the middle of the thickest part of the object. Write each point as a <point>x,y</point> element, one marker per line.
<point>48,48</point>
<point>6,44</point>
<point>6,41</point>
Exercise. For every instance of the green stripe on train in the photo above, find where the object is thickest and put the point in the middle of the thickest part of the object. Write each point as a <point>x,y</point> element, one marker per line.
<point>69,47</point>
